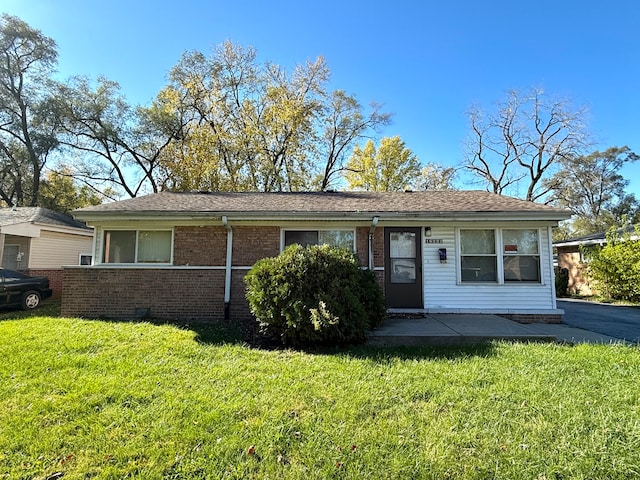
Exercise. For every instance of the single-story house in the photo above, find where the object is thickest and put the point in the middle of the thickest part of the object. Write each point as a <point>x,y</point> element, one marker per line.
<point>184,255</point>
<point>39,241</point>
<point>571,254</point>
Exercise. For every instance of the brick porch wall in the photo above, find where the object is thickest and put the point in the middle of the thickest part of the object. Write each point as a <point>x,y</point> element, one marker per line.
<point>171,294</point>
<point>55,279</point>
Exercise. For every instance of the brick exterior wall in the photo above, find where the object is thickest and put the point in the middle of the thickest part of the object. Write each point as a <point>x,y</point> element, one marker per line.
<point>203,246</point>
<point>171,294</point>
<point>362,246</point>
<point>183,293</point>
<point>55,279</point>
<point>250,244</point>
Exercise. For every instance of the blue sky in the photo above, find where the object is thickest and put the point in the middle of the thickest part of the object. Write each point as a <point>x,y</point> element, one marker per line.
<point>426,62</point>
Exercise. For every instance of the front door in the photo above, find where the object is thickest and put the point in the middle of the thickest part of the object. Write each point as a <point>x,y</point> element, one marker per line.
<point>403,267</point>
<point>10,257</point>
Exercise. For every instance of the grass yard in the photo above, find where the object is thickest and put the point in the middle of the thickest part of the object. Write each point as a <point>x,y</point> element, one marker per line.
<point>95,399</point>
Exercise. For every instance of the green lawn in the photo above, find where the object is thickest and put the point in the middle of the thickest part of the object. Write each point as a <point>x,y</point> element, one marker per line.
<point>95,399</point>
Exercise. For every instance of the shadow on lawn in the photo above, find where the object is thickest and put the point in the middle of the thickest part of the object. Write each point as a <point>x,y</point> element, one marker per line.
<point>216,333</point>
<point>223,333</point>
<point>220,333</point>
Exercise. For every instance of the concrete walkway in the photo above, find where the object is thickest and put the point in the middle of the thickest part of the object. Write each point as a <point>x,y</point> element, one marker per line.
<point>457,329</point>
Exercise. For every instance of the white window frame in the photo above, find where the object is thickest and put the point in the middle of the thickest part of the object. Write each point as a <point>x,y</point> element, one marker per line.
<point>135,254</point>
<point>85,255</point>
<point>495,255</point>
<point>313,229</point>
<point>499,257</point>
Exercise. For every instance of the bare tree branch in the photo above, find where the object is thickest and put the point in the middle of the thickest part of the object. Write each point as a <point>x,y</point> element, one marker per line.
<point>522,142</point>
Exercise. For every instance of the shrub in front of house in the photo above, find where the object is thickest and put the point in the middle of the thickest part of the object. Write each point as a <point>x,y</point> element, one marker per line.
<point>316,295</point>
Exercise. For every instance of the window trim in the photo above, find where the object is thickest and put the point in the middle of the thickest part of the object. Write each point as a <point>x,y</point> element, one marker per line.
<point>493,255</point>
<point>498,239</point>
<point>137,231</point>
<point>516,255</point>
<point>314,229</point>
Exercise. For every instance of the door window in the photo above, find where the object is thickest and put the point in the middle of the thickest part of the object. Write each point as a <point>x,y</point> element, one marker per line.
<point>402,257</point>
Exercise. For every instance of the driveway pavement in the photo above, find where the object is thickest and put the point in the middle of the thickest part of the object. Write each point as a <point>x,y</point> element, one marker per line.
<point>611,320</point>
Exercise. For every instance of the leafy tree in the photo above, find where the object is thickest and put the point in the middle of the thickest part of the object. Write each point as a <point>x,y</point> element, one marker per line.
<point>435,176</point>
<point>593,189</point>
<point>521,142</point>
<point>626,209</point>
<point>27,61</point>
<point>249,127</point>
<point>59,192</point>
<point>116,145</point>
<point>390,167</point>
<point>344,123</point>
<point>615,268</point>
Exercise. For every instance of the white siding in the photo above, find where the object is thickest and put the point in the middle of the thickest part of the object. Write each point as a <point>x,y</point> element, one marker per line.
<point>54,249</point>
<point>442,291</point>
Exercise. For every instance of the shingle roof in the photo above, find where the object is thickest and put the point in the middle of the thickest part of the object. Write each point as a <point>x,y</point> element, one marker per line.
<point>13,216</point>
<point>317,203</point>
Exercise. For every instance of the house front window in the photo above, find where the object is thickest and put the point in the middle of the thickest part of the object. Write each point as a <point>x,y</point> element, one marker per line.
<point>521,258</point>
<point>518,260</point>
<point>335,238</point>
<point>479,260</point>
<point>137,246</point>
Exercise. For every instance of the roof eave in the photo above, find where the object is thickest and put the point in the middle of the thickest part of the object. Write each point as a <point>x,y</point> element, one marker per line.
<point>92,217</point>
<point>580,242</point>
<point>71,228</point>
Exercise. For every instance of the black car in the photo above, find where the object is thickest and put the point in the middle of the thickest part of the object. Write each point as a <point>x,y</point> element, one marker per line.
<point>17,288</point>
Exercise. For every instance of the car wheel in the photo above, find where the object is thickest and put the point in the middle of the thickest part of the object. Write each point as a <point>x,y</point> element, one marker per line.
<point>30,300</point>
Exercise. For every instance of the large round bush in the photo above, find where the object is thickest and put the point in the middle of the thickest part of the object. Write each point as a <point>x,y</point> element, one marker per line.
<point>314,295</point>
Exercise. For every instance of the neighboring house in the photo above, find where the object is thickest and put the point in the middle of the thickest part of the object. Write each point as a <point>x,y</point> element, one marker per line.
<point>39,241</point>
<point>184,255</point>
<point>571,255</point>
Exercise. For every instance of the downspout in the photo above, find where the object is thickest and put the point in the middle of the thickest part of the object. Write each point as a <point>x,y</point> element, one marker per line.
<point>227,276</point>
<point>374,222</point>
